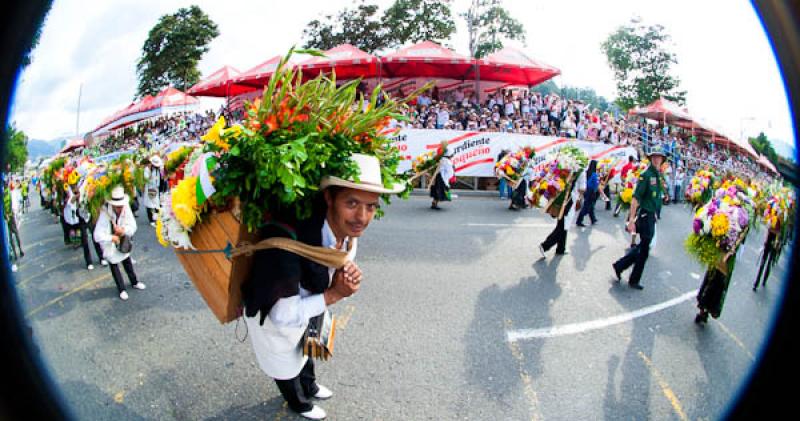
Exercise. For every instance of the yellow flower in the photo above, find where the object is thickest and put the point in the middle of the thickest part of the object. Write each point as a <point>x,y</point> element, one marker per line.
<point>719,224</point>
<point>160,233</point>
<point>184,202</point>
<point>215,132</point>
<point>626,195</point>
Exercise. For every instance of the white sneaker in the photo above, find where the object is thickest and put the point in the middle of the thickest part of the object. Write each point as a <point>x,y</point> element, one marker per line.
<point>123,295</point>
<point>153,224</point>
<point>104,262</point>
<point>541,250</point>
<point>90,267</point>
<point>133,261</point>
<point>316,413</point>
<point>14,268</point>
<point>140,285</point>
<point>323,392</point>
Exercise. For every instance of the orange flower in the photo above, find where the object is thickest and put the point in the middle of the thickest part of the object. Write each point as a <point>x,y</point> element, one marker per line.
<point>272,124</point>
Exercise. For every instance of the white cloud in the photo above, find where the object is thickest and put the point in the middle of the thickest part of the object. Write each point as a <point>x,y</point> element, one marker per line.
<point>726,63</point>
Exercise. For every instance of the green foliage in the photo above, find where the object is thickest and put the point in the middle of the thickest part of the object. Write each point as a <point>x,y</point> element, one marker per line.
<point>763,146</point>
<point>295,135</point>
<point>360,26</point>
<point>704,249</point>
<point>641,62</point>
<point>489,24</point>
<point>172,50</point>
<point>16,148</point>
<point>176,158</point>
<point>412,21</point>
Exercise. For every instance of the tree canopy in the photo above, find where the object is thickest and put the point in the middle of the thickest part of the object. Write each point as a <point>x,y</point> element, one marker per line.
<point>406,21</point>
<point>172,50</point>
<point>641,62</point>
<point>489,24</point>
<point>16,148</point>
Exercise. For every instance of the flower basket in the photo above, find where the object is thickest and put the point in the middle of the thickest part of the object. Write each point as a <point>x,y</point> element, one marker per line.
<point>553,179</point>
<point>217,277</point>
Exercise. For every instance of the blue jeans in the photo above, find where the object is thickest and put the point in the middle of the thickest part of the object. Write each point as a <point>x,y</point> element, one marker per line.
<point>505,189</point>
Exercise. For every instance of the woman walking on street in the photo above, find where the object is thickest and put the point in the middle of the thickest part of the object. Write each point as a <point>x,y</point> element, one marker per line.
<point>440,190</point>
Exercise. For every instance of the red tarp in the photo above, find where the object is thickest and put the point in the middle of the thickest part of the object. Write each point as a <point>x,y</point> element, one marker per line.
<point>171,97</point>
<point>664,110</point>
<point>765,162</point>
<point>346,60</point>
<point>426,59</point>
<point>148,106</point>
<point>219,83</point>
<point>514,67</point>
<point>259,75</point>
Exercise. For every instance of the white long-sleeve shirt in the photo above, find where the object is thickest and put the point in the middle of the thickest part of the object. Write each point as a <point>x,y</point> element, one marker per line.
<point>276,341</point>
<point>447,170</point>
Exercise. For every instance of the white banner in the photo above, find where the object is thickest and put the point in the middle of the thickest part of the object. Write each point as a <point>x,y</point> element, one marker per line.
<point>475,153</point>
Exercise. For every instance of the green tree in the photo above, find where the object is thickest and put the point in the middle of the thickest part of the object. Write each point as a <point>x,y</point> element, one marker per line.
<point>16,148</point>
<point>172,50</point>
<point>641,62</point>
<point>412,21</point>
<point>360,26</point>
<point>763,146</point>
<point>489,24</point>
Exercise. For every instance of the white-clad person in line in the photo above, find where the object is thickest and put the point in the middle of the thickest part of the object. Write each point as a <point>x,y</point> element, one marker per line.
<point>152,177</point>
<point>286,292</point>
<point>114,222</point>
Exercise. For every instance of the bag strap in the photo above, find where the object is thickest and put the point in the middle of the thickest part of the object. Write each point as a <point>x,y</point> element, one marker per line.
<point>322,255</point>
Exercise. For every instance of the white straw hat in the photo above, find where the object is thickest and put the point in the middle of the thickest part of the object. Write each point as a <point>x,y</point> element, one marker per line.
<point>118,197</point>
<point>369,176</point>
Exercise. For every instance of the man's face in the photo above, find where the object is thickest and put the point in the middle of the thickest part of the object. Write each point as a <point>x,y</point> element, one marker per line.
<point>657,160</point>
<point>350,211</point>
<point>117,209</point>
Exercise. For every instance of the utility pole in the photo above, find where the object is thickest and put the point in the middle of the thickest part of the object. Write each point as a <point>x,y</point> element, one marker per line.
<point>78,119</point>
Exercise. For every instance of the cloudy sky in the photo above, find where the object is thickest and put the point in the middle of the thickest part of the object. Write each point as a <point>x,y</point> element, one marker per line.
<point>725,60</point>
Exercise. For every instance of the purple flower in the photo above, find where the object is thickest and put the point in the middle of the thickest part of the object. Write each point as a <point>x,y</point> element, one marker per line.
<point>743,218</point>
<point>697,225</point>
<point>712,208</point>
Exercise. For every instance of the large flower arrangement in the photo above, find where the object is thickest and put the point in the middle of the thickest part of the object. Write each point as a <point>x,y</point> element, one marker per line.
<point>719,225</point>
<point>293,136</point>
<point>700,188</point>
<point>629,183</point>
<point>604,167</point>
<point>553,178</point>
<point>428,160</point>
<point>95,187</point>
<point>513,165</point>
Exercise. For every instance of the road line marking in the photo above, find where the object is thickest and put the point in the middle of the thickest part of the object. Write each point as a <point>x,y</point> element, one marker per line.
<point>665,389</point>
<point>735,339</point>
<point>527,381</point>
<point>511,225</point>
<point>81,287</point>
<point>573,328</point>
<point>30,278</point>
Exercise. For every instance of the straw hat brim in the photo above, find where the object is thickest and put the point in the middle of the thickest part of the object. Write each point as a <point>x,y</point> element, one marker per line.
<point>372,188</point>
<point>120,202</point>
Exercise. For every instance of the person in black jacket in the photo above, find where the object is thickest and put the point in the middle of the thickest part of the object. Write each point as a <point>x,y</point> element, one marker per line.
<point>286,293</point>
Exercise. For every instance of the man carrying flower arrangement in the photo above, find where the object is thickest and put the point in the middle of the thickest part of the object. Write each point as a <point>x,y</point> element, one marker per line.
<point>645,205</point>
<point>286,293</point>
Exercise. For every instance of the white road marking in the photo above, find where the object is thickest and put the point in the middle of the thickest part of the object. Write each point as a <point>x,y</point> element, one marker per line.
<point>573,328</point>
<point>511,225</point>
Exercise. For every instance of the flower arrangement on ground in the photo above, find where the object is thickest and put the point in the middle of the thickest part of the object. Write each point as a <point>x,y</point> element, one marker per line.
<point>553,178</point>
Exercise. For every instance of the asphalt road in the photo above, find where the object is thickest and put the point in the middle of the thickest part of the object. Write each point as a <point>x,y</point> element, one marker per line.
<point>458,318</point>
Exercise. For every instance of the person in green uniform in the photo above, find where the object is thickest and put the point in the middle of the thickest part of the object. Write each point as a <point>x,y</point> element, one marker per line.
<point>645,206</point>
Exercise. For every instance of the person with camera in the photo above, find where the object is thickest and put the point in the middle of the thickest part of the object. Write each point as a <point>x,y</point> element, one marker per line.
<point>113,231</point>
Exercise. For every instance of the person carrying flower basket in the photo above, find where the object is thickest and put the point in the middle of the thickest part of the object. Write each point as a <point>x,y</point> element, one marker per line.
<point>515,170</point>
<point>443,177</point>
<point>718,229</point>
<point>775,217</point>
<point>558,188</point>
<point>645,205</point>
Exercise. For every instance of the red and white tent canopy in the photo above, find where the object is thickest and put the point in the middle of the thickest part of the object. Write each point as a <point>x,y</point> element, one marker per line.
<point>259,75</point>
<point>514,67</point>
<point>664,110</point>
<point>426,59</point>
<point>219,83</point>
<point>347,61</point>
<point>169,100</point>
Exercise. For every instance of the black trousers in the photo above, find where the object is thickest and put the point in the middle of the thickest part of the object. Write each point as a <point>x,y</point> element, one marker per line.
<point>128,265</point>
<point>607,191</point>
<point>638,254</point>
<point>151,213</point>
<point>13,233</point>
<point>767,261</point>
<point>589,200</point>
<point>299,390</point>
<point>65,227</point>
<point>558,237</point>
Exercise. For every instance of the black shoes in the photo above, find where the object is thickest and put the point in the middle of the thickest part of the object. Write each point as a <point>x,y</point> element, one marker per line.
<point>636,286</point>
<point>580,225</point>
<point>616,272</point>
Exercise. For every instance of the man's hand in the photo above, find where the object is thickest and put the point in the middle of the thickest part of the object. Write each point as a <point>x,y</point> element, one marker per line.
<point>346,281</point>
<point>631,227</point>
<point>115,239</point>
<point>118,230</point>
